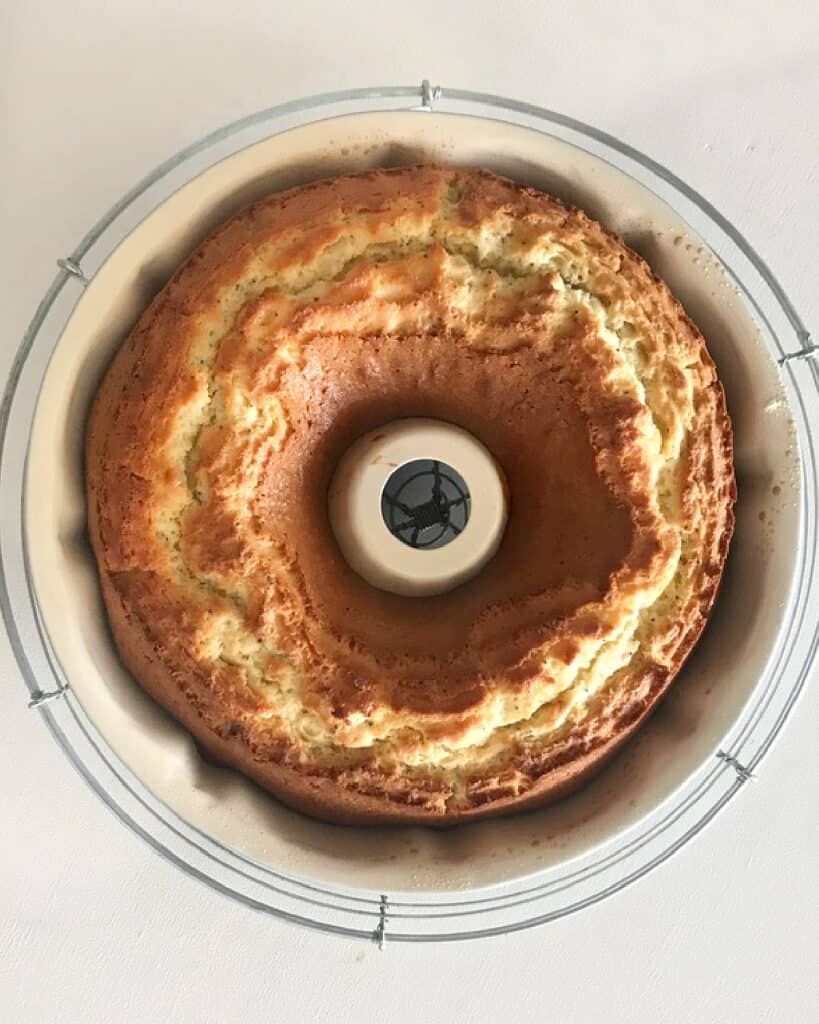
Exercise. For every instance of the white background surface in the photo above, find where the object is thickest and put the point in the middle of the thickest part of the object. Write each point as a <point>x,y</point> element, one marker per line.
<point>93,94</point>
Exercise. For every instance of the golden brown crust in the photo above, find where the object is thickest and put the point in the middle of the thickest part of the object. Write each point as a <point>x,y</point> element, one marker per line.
<point>310,318</point>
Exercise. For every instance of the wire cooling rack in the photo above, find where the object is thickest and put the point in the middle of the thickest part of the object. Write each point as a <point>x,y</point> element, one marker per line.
<point>409,917</point>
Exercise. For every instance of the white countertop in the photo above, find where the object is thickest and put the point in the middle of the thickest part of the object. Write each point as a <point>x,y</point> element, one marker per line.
<point>93,94</point>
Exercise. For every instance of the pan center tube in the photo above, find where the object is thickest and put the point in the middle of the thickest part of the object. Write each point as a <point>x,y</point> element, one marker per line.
<point>418,506</point>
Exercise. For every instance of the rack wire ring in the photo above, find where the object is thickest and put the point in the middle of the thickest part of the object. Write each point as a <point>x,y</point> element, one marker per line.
<point>359,913</point>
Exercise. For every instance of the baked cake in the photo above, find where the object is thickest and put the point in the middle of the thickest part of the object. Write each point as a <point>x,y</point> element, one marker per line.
<point>313,317</point>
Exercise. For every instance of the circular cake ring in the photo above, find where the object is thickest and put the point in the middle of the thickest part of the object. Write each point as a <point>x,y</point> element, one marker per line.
<point>322,313</point>
<point>701,708</point>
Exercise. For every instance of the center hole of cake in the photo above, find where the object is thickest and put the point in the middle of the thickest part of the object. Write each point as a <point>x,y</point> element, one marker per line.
<point>426,503</point>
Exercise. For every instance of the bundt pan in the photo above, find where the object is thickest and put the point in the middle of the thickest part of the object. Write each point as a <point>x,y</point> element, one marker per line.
<point>703,703</point>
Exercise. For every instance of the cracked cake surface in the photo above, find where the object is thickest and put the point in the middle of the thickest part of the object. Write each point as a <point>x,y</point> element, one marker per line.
<point>319,314</point>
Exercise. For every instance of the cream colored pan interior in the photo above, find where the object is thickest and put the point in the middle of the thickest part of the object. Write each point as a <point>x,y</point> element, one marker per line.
<point>703,704</point>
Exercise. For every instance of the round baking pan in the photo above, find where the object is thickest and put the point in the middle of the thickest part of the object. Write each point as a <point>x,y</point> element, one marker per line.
<point>710,733</point>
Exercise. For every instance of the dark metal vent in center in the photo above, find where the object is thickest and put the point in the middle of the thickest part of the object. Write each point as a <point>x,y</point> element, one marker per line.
<point>425,503</point>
